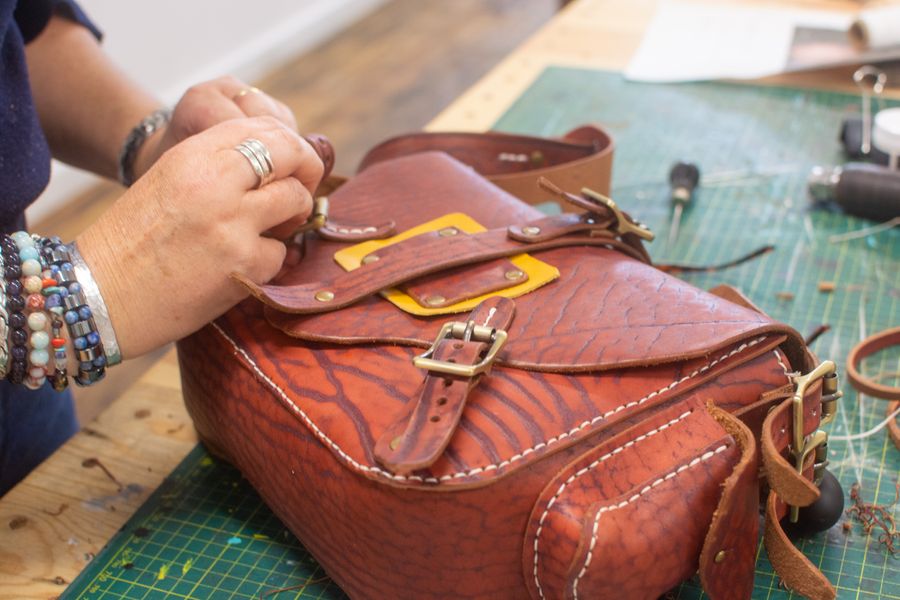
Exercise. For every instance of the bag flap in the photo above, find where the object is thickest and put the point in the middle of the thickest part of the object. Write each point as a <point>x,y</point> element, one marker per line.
<point>605,311</point>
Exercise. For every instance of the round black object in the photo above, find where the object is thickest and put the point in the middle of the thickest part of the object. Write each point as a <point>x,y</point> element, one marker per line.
<point>821,514</point>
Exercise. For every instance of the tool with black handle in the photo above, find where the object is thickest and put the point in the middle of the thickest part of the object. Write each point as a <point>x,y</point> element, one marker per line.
<point>683,179</point>
<point>861,189</point>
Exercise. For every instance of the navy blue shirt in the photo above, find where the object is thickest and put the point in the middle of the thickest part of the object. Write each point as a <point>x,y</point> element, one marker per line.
<point>32,423</point>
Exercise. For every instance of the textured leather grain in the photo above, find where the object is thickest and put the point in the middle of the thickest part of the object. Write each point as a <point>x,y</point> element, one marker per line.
<point>593,460</point>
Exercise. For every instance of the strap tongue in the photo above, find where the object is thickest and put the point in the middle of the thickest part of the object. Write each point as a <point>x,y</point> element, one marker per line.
<point>419,438</point>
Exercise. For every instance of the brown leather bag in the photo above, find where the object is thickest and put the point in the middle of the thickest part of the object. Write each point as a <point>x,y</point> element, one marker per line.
<point>599,436</point>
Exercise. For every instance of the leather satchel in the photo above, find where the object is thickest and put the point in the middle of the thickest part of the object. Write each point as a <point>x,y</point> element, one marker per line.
<point>455,395</point>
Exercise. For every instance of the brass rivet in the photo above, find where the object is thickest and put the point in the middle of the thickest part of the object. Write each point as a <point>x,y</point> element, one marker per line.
<point>531,230</point>
<point>324,296</point>
<point>435,300</point>
<point>514,274</point>
<point>367,260</point>
<point>448,231</point>
<point>720,556</point>
<point>396,442</point>
<point>537,157</point>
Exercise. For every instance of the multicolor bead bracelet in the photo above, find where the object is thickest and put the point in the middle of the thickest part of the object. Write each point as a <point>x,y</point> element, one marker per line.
<point>78,318</point>
<point>42,291</point>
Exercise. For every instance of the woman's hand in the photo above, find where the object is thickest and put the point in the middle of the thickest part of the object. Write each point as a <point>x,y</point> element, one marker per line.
<point>205,105</point>
<point>163,253</point>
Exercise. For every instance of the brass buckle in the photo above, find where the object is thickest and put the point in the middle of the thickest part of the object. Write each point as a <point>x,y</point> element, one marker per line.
<point>623,223</point>
<point>817,442</point>
<point>317,219</point>
<point>467,331</point>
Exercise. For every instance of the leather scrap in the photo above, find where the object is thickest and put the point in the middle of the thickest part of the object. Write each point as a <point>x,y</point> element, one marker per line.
<point>797,572</point>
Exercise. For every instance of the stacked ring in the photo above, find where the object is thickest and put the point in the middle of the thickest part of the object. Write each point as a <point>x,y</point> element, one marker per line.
<point>260,160</point>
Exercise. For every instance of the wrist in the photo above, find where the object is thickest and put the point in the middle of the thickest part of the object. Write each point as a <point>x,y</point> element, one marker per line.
<point>141,147</point>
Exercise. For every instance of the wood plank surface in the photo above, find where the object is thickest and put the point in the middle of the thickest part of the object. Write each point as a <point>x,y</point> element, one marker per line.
<point>65,511</point>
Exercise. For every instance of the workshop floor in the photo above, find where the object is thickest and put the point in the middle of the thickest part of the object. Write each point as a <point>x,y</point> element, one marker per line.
<point>389,73</point>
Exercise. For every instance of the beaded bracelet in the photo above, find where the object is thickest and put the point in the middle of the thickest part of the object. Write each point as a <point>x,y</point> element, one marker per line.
<point>4,324</point>
<point>15,304</point>
<point>53,304</point>
<point>32,269</point>
<point>78,317</point>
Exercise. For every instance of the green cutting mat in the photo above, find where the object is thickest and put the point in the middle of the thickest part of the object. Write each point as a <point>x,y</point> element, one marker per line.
<point>205,533</point>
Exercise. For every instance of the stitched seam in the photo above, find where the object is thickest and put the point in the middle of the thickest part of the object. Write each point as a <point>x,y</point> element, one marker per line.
<point>458,475</point>
<point>584,471</point>
<point>624,503</point>
<point>784,368</point>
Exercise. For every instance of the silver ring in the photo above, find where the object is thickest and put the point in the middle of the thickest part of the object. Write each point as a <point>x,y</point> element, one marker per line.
<point>260,160</point>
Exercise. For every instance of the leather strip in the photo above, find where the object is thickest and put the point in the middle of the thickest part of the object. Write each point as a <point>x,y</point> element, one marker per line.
<point>419,438</point>
<point>792,487</point>
<point>729,550</point>
<point>867,347</point>
<point>422,255</point>
<point>582,158</point>
<point>797,572</point>
<point>894,424</point>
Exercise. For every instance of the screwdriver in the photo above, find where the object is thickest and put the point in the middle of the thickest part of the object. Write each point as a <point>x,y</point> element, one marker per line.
<point>683,179</point>
<point>861,189</point>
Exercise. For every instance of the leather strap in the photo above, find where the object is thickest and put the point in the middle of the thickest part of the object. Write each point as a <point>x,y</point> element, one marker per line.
<point>582,158</point>
<point>419,438</point>
<point>797,572</point>
<point>729,550</point>
<point>415,257</point>
<point>867,347</point>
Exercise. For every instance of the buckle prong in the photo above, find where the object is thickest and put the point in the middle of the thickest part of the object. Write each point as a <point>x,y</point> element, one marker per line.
<point>467,331</point>
<point>623,223</point>
<point>317,219</point>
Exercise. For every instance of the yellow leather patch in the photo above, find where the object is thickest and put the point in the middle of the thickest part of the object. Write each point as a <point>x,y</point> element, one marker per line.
<point>539,272</point>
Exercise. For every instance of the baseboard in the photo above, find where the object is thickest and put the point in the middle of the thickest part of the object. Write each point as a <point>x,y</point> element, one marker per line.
<point>249,60</point>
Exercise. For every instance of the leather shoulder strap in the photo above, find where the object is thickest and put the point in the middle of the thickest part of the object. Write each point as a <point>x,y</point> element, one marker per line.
<point>581,158</point>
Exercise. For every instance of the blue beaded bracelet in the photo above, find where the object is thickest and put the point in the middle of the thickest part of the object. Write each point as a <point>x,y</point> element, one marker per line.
<point>76,314</point>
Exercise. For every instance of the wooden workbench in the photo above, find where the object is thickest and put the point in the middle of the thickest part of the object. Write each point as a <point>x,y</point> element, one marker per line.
<point>64,512</point>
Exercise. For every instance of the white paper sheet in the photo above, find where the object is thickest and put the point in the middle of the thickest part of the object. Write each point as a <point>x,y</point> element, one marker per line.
<point>689,41</point>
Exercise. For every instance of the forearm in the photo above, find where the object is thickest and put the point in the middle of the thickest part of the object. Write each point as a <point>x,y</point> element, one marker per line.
<point>86,104</point>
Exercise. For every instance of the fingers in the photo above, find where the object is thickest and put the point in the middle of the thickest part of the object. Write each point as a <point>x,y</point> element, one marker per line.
<point>271,255</point>
<point>291,155</point>
<point>253,102</point>
<point>282,201</point>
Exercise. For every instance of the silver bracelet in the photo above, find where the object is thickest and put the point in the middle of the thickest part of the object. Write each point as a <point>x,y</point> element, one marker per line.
<point>98,306</point>
<point>136,138</point>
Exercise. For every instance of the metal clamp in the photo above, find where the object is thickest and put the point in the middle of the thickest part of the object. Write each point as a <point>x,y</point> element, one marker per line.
<point>803,445</point>
<point>466,332</point>
<point>317,219</point>
<point>623,223</point>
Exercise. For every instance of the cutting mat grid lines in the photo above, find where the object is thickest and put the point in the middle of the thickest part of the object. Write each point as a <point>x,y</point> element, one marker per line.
<point>206,534</point>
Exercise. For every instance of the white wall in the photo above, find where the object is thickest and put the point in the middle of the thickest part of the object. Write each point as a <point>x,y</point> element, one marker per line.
<point>167,45</point>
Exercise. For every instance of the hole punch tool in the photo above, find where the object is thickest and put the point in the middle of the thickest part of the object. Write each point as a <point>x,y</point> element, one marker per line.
<point>684,178</point>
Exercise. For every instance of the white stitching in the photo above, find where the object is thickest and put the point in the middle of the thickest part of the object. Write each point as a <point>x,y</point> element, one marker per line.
<point>784,368</point>
<point>611,508</point>
<point>579,473</point>
<point>392,477</point>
